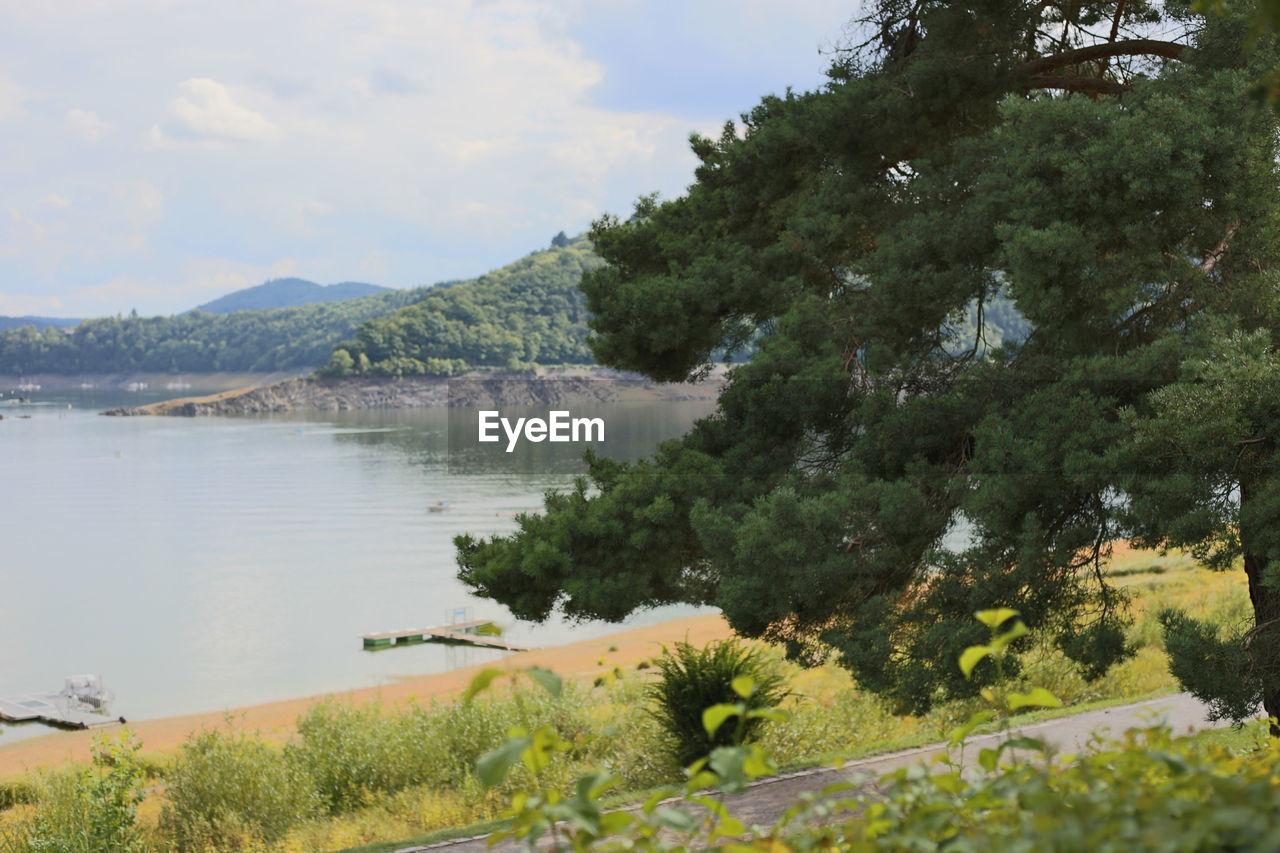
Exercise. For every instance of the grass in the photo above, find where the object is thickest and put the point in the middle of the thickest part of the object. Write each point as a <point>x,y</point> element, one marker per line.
<point>1152,581</point>
<point>377,775</point>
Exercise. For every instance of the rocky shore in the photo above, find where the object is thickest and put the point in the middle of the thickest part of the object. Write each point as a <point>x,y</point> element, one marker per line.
<point>544,387</point>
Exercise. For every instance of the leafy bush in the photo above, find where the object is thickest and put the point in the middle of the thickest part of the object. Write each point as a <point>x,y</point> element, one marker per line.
<point>350,753</point>
<point>692,680</point>
<point>229,791</point>
<point>1145,792</point>
<point>92,810</point>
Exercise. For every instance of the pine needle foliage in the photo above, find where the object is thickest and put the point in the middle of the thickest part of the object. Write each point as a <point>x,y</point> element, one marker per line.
<point>692,679</point>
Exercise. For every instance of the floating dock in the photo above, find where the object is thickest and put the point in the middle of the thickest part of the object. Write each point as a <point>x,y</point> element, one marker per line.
<point>53,709</point>
<point>459,632</point>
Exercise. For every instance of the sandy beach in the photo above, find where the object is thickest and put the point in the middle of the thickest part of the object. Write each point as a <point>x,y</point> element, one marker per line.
<point>276,720</point>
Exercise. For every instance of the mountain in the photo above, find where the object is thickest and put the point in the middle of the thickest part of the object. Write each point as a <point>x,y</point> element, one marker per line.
<point>38,322</point>
<point>288,293</point>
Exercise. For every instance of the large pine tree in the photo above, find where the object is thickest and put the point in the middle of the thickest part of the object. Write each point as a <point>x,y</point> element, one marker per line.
<point>1103,166</point>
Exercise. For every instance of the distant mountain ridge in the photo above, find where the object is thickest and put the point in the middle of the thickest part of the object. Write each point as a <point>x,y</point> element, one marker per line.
<point>289,293</point>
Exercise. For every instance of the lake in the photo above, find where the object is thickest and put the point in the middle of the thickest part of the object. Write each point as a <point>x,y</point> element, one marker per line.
<point>199,564</point>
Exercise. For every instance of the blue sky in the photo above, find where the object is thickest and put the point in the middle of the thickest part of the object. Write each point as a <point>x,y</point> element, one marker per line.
<point>156,154</point>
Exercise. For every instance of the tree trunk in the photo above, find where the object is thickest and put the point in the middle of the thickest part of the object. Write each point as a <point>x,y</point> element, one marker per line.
<point>1264,643</point>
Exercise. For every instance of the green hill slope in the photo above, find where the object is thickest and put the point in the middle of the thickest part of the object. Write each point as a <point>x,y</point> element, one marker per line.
<point>271,340</point>
<point>528,312</point>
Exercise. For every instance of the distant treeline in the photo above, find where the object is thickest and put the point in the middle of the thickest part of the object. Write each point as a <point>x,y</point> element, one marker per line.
<point>269,340</point>
<point>527,313</point>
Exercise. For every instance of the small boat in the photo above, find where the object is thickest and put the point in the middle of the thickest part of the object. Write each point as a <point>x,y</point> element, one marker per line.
<point>439,506</point>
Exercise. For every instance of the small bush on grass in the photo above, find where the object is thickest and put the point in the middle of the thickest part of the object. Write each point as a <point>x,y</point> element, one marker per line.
<point>352,752</point>
<point>229,791</point>
<point>91,810</point>
<point>692,679</point>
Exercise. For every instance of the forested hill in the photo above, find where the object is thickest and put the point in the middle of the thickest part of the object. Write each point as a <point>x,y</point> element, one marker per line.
<point>289,293</point>
<point>271,340</point>
<point>529,312</point>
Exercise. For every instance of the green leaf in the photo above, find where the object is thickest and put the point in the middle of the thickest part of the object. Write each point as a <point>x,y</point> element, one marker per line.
<point>959,733</point>
<point>776,715</point>
<point>993,619</point>
<point>969,659</point>
<point>1024,742</point>
<point>1019,629</point>
<point>675,819</point>
<point>988,758</point>
<point>714,717</point>
<point>480,683</point>
<point>744,686</point>
<point>550,682</point>
<point>1038,697</point>
<point>493,766</point>
<point>728,826</point>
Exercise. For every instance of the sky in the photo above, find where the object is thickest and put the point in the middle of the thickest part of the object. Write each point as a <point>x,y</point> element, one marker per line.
<point>157,154</point>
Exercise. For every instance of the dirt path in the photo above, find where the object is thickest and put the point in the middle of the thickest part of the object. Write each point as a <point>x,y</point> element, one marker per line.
<point>764,801</point>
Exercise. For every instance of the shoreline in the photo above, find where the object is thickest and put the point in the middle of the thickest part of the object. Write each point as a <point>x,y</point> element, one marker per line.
<point>276,721</point>
<point>544,386</point>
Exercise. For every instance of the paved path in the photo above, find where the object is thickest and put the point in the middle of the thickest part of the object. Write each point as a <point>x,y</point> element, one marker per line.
<point>765,800</point>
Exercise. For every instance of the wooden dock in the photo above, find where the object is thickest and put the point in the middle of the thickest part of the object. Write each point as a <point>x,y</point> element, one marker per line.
<point>459,632</point>
<point>51,709</point>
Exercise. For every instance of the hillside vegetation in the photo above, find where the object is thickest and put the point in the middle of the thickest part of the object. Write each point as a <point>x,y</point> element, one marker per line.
<point>529,312</point>
<point>275,339</point>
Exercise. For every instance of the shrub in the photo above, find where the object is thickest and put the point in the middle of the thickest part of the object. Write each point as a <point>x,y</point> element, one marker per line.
<point>92,810</point>
<point>228,791</point>
<point>692,679</point>
<point>351,753</point>
<point>1146,792</point>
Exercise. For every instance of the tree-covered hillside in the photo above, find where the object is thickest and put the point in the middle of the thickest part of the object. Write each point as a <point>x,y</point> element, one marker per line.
<point>529,312</point>
<point>196,342</point>
<point>289,293</point>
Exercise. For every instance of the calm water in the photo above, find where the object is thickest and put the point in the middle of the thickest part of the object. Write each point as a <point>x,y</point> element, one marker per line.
<point>201,564</point>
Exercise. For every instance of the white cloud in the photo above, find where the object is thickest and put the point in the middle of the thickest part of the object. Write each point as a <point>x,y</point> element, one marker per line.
<point>426,141</point>
<point>89,125</point>
<point>206,109</point>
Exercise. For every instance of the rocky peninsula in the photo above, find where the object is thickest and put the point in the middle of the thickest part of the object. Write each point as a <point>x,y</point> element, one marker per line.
<point>545,386</point>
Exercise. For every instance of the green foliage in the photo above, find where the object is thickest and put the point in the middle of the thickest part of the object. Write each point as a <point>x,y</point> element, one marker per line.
<point>690,680</point>
<point>1145,792</point>
<point>92,810</point>
<point>526,313</point>
<point>852,234</point>
<point>350,753</point>
<point>267,340</point>
<point>228,791</point>
<point>529,312</point>
<point>1216,671</point>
